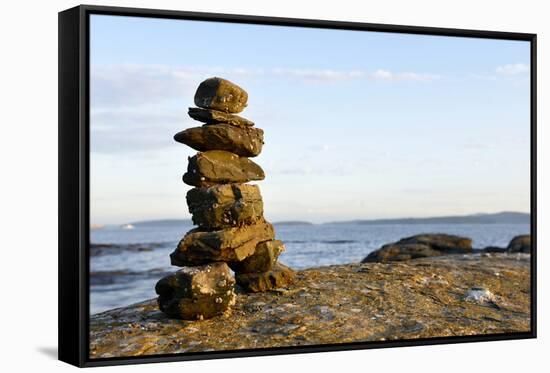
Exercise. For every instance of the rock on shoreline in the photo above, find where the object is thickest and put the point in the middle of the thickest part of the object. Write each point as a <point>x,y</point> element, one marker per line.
<point>453,295</point>
<point>438,244</point>
<point>421,246</point>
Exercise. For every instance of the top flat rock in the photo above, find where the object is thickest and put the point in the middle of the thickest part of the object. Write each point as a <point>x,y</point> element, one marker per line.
<point>221,94</point>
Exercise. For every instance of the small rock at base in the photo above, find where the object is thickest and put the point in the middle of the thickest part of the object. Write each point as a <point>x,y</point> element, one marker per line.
<point>210,116</point>
<point>221,94</point>
<point>196,293</point>
<point>280,276</point>
<point>242,141</point>
<point>220,167</point>
<point>263,260</point>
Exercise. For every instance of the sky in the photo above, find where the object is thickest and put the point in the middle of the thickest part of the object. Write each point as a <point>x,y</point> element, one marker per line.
<point>358,125</point>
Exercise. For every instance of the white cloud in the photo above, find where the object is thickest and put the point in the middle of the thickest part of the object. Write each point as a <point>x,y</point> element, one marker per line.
<point>129,85</point>
<point>133,115</point>
<point>135,129</point>
<point>515,73</point>
<point>405,76</point>
<point>128,102</point>
<point>320,148</point>
<point>483,77</point>
<point>317,74</point>
<point>335,75</point>
<point>513,69</point>
<point>382,74</point>
<point>476,145</point>
<point>137,85</point>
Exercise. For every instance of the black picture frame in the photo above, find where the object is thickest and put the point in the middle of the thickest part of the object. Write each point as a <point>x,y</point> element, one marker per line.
<point>74,231</point>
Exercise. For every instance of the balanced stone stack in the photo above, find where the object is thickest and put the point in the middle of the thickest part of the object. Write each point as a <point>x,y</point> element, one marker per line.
<point>232,232</point>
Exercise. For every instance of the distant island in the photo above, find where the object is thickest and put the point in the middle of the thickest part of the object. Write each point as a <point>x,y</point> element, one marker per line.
<point>161,223</point>
<point>495,218</point>
<point>506,217</point>
<point>293,222</point>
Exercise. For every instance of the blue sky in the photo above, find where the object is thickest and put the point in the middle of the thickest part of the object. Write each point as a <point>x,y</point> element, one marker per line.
<point>357,124</point>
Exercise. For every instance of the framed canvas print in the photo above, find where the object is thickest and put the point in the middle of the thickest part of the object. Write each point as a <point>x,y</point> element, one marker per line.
<point>235,185</point>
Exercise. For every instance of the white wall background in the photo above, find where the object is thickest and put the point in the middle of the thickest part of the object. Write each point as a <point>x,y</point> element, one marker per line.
<point>28,194</point>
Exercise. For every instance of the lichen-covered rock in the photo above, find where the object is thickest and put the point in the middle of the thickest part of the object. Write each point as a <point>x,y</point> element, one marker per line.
<point>225,206</point>
<point>280,276</point>
<point>263,260</point>
<point>520,244</point>
<point>421,246</point>
<point>221,94</point>
<point>244,141</point>
<point>220,167</point>
<point>201,246</point>
<point>423,298</point>
<point>198,292</point>
<point>210,116</point>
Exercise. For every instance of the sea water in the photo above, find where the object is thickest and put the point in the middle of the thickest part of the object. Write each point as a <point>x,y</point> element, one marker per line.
<point>119,276</point>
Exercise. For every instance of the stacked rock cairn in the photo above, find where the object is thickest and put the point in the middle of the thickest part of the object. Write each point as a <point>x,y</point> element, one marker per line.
<point>232,233</point>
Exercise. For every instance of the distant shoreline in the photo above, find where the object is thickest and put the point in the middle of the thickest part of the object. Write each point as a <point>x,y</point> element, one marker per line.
<point>496,218</point>
<point>506,217</point>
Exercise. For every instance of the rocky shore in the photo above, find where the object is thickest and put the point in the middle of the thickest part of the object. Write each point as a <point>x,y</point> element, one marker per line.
<point>452,295</point>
